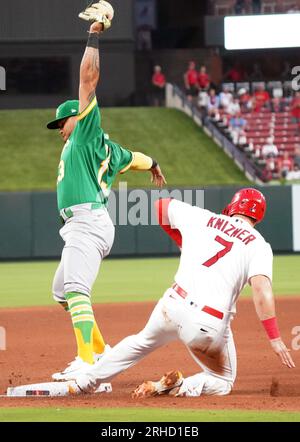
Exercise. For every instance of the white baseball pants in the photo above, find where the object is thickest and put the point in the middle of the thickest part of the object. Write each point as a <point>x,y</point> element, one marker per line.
<point>208,339</point>
<point>88,238</point>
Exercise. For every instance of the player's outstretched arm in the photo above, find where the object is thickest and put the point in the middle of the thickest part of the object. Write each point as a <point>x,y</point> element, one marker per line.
<point>144,163</point>
<point>265,308</point>
<point>90,67</point>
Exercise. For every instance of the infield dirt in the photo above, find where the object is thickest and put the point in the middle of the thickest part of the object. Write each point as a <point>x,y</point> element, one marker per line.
<point>40,341</point>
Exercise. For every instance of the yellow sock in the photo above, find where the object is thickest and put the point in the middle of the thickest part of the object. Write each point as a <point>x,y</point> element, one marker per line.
<point>83,323</point>
<point>85,350</point>
<point>98,341</point>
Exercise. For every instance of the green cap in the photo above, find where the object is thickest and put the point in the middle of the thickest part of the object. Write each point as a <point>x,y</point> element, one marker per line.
<point>65,110</point>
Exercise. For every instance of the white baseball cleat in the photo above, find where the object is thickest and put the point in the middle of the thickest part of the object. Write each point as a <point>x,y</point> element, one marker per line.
<point>73,369</point>
<point>77,367</point>
<point>171,380</point>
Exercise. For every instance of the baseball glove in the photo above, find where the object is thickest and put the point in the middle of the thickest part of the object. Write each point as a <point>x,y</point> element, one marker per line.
<point>101,12</point>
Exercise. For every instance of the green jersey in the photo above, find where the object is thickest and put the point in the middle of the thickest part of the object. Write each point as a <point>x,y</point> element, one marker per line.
<point>89,162</point>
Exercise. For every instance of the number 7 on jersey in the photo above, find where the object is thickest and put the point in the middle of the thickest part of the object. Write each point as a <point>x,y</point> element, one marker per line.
<point>227,247</point>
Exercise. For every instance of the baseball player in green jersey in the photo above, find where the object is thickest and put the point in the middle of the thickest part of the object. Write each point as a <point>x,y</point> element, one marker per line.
<point>88,166</point>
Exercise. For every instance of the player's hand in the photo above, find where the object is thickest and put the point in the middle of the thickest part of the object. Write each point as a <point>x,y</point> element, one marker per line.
<point>96,27</point>
<point>157,177</point>
<point>282,352</point>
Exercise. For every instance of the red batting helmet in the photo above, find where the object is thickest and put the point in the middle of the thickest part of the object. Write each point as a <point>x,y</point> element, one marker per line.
<point>248,202</point>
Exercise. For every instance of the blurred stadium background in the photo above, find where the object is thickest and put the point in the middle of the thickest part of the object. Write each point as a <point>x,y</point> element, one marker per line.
<point>217,119</point>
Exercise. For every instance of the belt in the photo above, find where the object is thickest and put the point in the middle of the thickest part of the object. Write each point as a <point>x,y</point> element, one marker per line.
<point>65,214</point>
<point>206,309</point>
<point>69,213</point>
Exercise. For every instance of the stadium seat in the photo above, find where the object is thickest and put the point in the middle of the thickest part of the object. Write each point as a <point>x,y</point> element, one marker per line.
<point>261,126</point>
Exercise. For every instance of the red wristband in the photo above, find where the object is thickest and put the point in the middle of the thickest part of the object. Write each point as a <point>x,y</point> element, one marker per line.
<point>271,328</point>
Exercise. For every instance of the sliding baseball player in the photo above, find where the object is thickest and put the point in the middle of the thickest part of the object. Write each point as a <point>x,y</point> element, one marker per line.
<point>220,254</point>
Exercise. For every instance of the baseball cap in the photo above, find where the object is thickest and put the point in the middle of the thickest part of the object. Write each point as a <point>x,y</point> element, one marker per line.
<point>67,109</point>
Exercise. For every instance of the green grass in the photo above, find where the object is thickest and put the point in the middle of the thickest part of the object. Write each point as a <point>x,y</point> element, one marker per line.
<point>285,275</point>
<point>30,153</point>
<point>29,284</point>
<point>142,415</point>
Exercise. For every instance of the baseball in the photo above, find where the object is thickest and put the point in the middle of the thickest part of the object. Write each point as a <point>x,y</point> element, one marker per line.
<point>108,10</point>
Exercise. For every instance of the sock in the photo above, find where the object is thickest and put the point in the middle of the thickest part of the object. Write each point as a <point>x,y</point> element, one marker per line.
<point>83,323</point>
<point>98,341</point>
